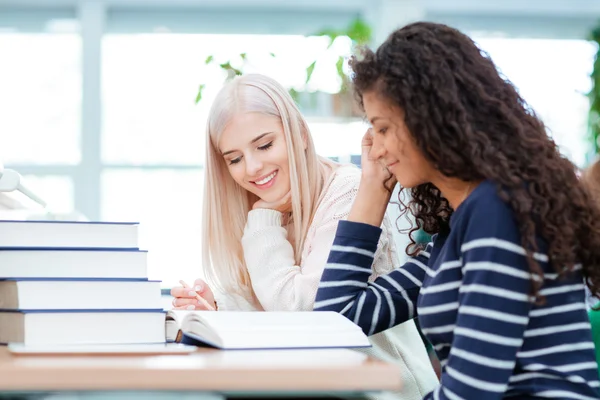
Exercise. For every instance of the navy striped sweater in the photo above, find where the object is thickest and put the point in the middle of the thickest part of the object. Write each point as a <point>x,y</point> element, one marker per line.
<point>470,289</point>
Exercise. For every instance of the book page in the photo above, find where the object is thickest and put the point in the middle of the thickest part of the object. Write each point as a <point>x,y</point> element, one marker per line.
<point>266,330</point>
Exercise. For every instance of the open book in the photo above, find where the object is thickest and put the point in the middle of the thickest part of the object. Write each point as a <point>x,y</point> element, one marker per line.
<point>263,330</point>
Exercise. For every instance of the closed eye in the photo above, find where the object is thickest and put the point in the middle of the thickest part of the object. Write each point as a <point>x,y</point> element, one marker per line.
<point>266,146</point>
<point>383,130</point>
<point>263,147</point>
<point>235,160</point>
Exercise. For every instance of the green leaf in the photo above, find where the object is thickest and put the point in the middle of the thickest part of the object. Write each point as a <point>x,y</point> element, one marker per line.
<point>243,56</point>
<point>359,31</point>
<point>230,69</point>
<point>595,34</point>
<point>294,94</point>
<point>332,34</point>
<point>199,95</point>
<point>272,54</point>
<point>208,60</point>
<point>339,66</point>
<point>594,96</point>
<point>309,71</point>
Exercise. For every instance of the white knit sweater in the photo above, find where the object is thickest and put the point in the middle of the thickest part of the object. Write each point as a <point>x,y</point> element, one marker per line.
<point>280,284</point>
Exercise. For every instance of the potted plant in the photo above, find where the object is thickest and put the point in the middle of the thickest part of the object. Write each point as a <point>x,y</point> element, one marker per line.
<point>342,103</point>
<point>594,96</point>
<point>360,34</point>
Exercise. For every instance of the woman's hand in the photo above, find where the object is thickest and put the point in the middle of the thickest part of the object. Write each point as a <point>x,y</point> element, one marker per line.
<point>186,298</point>
<point>375,188</point>
<point>283,205</point>
<point>374,173</point>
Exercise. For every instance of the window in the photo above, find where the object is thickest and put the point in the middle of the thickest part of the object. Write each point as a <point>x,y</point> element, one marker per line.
<point>335,139</point>
<point>57,191</point>
<point>168,205</point>
<point>553,77</point>
<point>152,132</point>
<point>40,77</point>
<point>151,81</point>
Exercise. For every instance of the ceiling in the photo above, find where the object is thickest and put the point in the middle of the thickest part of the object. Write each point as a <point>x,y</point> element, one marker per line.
<point>514,18</point>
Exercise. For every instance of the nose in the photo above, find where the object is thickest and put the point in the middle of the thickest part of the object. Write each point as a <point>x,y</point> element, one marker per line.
<point>377,149</point>
<point>253,165</point>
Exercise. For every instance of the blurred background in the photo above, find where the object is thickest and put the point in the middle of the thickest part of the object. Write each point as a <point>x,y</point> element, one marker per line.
<point>103,102</point>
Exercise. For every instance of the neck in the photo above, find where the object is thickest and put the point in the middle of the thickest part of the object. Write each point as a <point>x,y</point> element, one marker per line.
<point>455,190</point>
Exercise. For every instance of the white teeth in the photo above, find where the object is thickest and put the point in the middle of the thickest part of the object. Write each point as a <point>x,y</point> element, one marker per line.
<point>267,179</point>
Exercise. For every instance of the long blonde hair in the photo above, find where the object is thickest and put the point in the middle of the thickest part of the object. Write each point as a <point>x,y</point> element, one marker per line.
<point>226,204</point>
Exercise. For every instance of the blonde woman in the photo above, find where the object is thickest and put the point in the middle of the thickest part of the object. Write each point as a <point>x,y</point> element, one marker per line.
<point>271,209</point>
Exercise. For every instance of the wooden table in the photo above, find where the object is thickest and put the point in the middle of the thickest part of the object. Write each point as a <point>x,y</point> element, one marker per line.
<point>268,372</point>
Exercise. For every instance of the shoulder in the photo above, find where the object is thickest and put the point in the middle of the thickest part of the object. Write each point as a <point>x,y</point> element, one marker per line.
<point>338,194</point>
<point>485,200</point>
<point>341,186</point>
<point>485,213</point>
<point>346,176</point>
<point>343,189</point>
<point>334,203</point>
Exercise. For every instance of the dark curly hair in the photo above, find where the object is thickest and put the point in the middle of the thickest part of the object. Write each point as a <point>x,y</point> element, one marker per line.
<point>470,123</point>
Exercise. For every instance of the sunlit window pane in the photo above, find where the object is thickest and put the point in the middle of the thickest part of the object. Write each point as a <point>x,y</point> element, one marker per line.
<point>150,82</point>
<point>56,191</point>
<point>340,140</point>
<point>40,98</point>
<point>553,77</point>
<point>168,205</point>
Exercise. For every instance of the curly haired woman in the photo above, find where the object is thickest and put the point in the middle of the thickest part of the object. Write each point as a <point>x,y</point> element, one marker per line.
<point>500,290</point>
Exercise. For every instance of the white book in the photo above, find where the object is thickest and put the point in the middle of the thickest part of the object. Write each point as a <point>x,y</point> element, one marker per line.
<point>82,327</point>
<point>79,294</point>
<point>264,330</point>
<point>72,263</point>
<point>68,234</point>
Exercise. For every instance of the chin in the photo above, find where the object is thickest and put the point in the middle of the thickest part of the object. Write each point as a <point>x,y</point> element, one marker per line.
<point>273,197</point>
<point>409,183</point>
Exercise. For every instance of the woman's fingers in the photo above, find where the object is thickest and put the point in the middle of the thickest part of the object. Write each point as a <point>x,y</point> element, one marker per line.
<point>189,304</point>
<point>179,291</point>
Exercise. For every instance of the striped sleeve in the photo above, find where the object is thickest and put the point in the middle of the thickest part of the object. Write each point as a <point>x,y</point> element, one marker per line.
<point>493,314</point>
<point>344,288</point>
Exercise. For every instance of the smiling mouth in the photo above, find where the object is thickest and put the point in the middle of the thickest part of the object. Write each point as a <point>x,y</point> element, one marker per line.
<point>265,180</point>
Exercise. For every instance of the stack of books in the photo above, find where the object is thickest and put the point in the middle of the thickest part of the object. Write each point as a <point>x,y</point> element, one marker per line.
<point>65,283</point>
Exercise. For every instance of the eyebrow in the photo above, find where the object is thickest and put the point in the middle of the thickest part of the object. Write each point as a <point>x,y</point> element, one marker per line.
<point>256,139</point>
<point>375,119</point>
